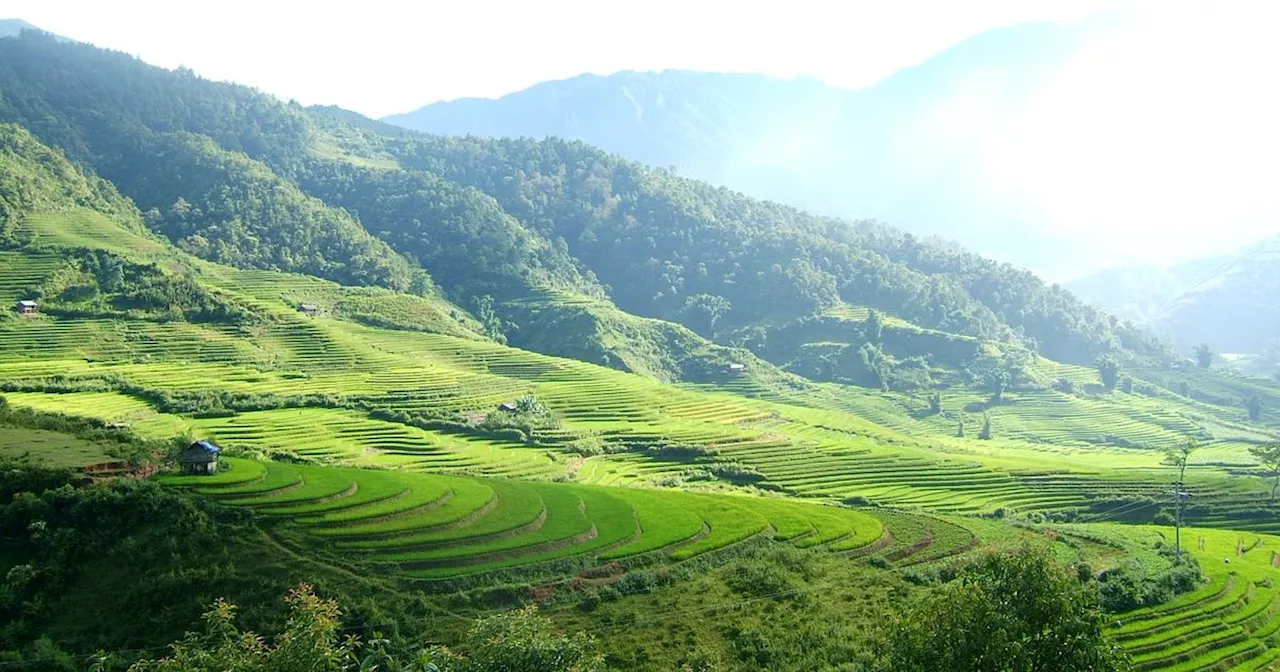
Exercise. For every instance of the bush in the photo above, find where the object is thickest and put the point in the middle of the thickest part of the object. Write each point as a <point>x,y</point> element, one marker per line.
<point>1133,585</point>
<point>1009,611</point>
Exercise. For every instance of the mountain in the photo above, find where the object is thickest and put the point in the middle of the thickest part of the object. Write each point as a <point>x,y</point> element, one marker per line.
<point>1010,143</point>
<point>1228,301</point>
<point>13,27</point>
<point>904,151</point>
<point>529,235</point>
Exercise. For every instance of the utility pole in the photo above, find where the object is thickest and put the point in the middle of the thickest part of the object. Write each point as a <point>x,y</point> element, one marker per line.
<point>1180,492</point>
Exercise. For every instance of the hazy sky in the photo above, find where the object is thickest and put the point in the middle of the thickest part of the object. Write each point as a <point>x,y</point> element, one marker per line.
<point>1161,141</point>
<point>379,57</point>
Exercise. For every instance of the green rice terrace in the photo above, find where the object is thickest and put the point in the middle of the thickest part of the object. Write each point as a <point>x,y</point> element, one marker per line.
<point>385,433</point>
<point>433,527</point>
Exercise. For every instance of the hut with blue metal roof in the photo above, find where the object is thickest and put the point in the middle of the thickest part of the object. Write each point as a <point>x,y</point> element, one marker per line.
<point>200,457</point>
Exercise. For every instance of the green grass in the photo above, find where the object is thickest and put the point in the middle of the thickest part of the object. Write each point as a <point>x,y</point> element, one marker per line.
<point>663,522</point>
<point>465,498</point>
<point>730,521</point>
<point>519,505</point>
<point>233,471</point>
<point>611,521</point>
<point>373,487</point>
<point>1228,622</point>
<point>420,491</point>
<point>318,483</point>
<point>49,449</point>
<point>566,519</point>
<point>279,476</point>
<point>448,504</point>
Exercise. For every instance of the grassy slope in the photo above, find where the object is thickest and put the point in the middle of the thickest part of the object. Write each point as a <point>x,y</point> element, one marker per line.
<point>1051,450</point>
<point>49,449</point>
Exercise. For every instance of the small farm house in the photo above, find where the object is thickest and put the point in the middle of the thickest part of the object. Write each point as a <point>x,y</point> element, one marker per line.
<point>200,457</point>
<point>508,407</point>
<point>26,307</point>
<point>309,309</point>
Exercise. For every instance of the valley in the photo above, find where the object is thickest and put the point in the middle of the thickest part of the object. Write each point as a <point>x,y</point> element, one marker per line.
<point>452,376</point>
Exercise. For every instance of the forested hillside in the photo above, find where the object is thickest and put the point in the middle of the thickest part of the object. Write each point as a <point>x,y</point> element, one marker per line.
<point>235,176</point>
<point>910,150</point>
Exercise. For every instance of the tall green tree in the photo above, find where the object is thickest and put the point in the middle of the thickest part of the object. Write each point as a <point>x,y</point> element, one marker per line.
<point>482,308</point>
<point>1269,457</point>
<point>701,312</point>
<point>996,374</point>
<point>1204,356</point>
<point>873,326</point>
<point>1108,371</point>
<point>1179,457</point>
<point>1254,406</point>
<point>1009,612</point>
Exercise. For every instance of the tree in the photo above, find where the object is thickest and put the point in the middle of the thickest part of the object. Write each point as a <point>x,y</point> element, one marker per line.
<point>993,374</point>
<point>1108,371</point>
<point>1126,385</point>
<point>1204,356</point>
<point>1269,457</point>
<point>701,312</point>
<point>482,307</point>
<point>1008,612</point>
<point>1178,457</point>
<point>873,326</point>
<point>985,433</point>
<point>935,403</point>
<point>1254,405</point>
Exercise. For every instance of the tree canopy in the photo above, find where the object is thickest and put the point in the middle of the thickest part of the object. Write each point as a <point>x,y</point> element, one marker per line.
<point>1009,612</point>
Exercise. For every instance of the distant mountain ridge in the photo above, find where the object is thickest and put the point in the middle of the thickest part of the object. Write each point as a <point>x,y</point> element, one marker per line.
<point>1231,302</point>
<point>13,27</point>
<point>902,151</point>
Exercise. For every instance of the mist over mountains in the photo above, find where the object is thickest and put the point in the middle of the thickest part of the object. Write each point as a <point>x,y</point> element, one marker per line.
<point>1229,301</point>
<point>1036,144</point>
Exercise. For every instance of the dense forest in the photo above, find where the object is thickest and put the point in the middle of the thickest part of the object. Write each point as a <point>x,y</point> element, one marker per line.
<point>251,181</point>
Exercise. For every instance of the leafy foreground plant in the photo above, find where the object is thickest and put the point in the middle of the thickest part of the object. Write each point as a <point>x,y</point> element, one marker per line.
<point>1008,612</point>
<point>517,641</point>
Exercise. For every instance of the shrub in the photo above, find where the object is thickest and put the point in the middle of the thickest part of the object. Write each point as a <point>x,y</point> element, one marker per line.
<point>1009,611</point>
<point>1133,585</point>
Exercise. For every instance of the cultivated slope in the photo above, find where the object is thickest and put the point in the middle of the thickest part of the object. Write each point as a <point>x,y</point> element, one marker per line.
<point>136,331</point>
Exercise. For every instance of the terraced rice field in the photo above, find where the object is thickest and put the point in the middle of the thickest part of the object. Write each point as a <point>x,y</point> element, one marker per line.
<point>432,526</point>
<point>1232,623</point>
<point>1052,452</point>
<point>88,229</point>
<point>22,272</point>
